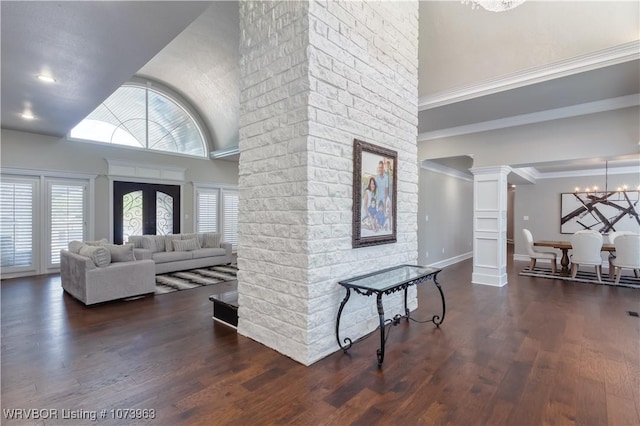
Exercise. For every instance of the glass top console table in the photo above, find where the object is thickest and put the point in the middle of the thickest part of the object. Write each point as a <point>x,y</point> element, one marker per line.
<point>388,281</point>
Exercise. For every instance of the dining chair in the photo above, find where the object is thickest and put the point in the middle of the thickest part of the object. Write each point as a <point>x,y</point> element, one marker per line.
<point>627,254</point>
<point>535,254</point>
<point>611,236</point>
<point>586,247</point>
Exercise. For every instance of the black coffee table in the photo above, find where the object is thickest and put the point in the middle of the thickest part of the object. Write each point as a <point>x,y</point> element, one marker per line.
<point>225,308</point>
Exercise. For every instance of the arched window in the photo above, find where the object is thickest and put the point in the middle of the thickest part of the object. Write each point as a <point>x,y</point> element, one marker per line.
<point>143,116</point>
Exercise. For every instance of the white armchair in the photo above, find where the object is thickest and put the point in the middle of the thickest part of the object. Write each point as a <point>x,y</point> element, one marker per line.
<point>535,254</point>
<point>627,254</point>
<point>586,247</point>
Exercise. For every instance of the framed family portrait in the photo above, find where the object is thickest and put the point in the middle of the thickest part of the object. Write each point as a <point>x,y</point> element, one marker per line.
<point>375,171</point>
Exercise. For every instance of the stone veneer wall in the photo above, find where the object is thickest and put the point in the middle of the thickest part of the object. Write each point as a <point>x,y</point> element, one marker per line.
<point>314,76</point>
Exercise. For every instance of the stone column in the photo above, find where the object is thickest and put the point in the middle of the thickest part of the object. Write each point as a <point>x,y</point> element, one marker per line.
<point>490,225</point>
<point>314,76</point>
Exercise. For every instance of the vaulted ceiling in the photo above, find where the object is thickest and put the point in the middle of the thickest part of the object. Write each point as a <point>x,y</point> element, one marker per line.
<point>91,48</point>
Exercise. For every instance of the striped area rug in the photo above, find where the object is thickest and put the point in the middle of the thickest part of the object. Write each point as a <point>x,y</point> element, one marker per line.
<point>185,280</point>
<point>584,277</point>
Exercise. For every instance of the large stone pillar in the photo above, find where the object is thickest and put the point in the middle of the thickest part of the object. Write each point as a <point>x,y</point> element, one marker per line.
<point>314,76</point>
<point>490,225</point>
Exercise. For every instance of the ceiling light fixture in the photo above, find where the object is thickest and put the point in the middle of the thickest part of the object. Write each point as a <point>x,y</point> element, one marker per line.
<point>46,78</point>
<point>27,116</point>
<point>494,5</point>
<point>593,193</point>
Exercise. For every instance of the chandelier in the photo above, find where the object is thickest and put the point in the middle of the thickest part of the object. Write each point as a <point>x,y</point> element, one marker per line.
<point>494,5</point>
<point>594,193</point>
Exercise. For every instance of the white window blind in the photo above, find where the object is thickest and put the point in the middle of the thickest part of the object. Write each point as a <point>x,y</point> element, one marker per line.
<point>207,210</point>
<point>16,223</point>
<point>144,117</point>
<point>67,214</point>
<point>230,217</point>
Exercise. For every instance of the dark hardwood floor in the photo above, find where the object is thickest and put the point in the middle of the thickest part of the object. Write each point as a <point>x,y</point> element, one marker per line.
<point>534,352</point>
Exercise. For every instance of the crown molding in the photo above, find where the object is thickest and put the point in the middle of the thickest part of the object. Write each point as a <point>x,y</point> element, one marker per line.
<point>485,170</point>
<point>614,55</point>
<point>530,174</point>
<point>444,170</point>
<point>535,117</point>
<point>222,153</point>
<point>590,172</point>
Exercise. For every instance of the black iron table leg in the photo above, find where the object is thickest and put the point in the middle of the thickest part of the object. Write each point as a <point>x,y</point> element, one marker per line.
<point>406,308</point>
<point>380,351</point>
<point>347,341</point>
<point>437,320</point>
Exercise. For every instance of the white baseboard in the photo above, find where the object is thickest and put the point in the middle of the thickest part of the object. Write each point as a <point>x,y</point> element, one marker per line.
<point>492,280</point>
<point>521,257</point>
<point>453,260</point>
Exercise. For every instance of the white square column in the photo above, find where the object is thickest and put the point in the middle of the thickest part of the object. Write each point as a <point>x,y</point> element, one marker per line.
<point>490,225</point>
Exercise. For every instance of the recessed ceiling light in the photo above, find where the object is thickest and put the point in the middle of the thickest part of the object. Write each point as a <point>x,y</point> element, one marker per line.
<point>46,78</point>
<point>27,116</point>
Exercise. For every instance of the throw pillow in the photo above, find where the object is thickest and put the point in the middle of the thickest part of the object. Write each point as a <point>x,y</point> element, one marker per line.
<point>186,245</point>
<point>98,254</point>
<point>149,243</point>
<point>188,236</point>
<point>211,240</point>
<point>136,240</point>
<point>75,246</point>
<point>97,242</point>
<point>123,253</point>
<point>168,242</point>
<point>159,242</point>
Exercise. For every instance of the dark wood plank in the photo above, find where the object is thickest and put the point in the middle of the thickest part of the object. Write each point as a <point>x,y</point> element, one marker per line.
<point>534,352</point>
<point>592,403</point>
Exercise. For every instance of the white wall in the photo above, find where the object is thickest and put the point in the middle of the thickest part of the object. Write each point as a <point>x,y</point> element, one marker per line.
<point>601,135</point>
<point>38,152</point>
<point>541,202</point>
<point>448,203</point>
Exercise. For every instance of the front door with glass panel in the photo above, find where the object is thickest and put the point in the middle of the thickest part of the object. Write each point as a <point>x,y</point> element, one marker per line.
<point>145,209</point>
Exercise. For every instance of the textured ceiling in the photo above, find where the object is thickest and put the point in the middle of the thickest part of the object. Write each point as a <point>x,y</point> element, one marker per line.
<point>202,64</point>
<point>90,47</point>
<point>192,47</point>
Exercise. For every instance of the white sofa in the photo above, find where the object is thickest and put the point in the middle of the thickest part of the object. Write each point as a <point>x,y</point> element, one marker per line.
<point>89,283</point>
<point>208,251</point>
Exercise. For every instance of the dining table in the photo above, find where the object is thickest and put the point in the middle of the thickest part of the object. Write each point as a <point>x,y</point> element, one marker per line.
<point>565,246</point>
